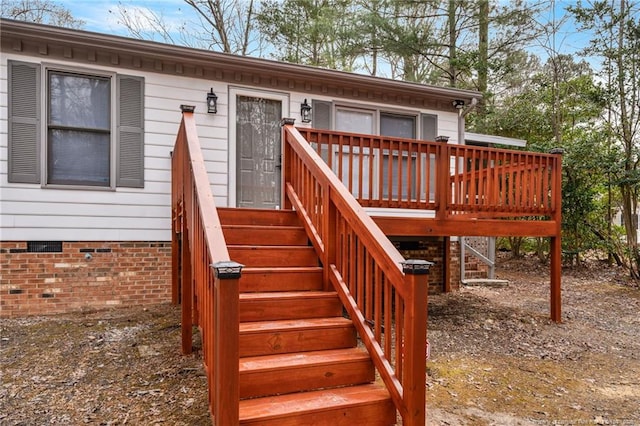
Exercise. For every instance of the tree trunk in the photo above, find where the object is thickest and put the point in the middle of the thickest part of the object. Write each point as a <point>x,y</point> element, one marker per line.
<point>452,43</point>
<point>483,59</point>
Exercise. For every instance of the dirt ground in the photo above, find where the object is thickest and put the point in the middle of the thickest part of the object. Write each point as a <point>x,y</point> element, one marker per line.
<point>496,359</point>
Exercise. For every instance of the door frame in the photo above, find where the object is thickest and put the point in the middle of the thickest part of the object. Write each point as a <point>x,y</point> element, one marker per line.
<point>235,91</point>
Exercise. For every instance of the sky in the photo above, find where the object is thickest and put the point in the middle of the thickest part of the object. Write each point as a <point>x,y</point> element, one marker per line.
<point>98,17</point>
<point>101,16</point>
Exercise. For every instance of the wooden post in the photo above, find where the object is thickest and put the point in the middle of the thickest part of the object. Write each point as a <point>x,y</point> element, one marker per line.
<point>442,177</point>
<point>446,264</point>
<point>286,162</point>
<point>415,345</point>
<point>175,256</point>
<point>330,225</point>
<point>186,294</point>
<point>226,345</point>
<point>556,274</point>
<point>556,241</point>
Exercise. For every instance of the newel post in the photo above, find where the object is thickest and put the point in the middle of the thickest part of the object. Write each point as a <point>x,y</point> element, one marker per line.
<point>285,162</point>
<point>415,345</point>
<point>226,352</point>
<point>442,176</point>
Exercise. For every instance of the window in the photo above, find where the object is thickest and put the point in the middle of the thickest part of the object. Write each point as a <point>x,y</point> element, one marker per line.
<point>78,130</point>
<point>355,120</point>
<point>395,170</point>
<point>86,139</point>
<point>429,127</point>
<point>402,126</point>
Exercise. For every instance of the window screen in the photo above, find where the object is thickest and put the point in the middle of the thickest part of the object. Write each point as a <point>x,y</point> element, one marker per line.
<point>79,123</point>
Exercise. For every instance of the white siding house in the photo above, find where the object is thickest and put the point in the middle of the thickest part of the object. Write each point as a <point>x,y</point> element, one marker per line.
<point>51,206</point>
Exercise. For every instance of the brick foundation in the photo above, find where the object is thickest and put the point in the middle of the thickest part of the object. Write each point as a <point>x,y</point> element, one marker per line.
<point>432,249</point>
<point>83,276</point>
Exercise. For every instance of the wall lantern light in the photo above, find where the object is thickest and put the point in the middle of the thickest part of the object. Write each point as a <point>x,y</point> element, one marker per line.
<point>458,104</point>
<point>305,112</point>
<point>212,102</point>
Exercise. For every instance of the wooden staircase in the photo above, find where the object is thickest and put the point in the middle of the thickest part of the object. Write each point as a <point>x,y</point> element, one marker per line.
<point>300,363</point>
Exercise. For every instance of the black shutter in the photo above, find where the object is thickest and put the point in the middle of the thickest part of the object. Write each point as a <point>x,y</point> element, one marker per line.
<point>321,111</point>
<point>24,122</point>
<point>130,132</point>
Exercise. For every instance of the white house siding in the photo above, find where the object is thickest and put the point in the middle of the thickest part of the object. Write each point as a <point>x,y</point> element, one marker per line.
<point>30,212</point>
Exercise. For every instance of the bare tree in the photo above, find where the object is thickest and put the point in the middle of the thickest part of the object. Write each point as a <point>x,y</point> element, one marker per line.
<point>229,23</point>
<point>220,25</point>
<point>39,11</point>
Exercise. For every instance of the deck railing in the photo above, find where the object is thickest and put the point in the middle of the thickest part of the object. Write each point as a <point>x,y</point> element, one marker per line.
<point>385,300</point>
<point>449,179</point>
<point>205,282</point>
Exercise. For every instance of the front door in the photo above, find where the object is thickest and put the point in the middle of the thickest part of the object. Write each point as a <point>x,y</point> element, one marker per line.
<point>258,149</point>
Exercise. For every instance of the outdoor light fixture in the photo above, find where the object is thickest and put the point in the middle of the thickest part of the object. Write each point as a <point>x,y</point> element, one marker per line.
<point>305,112</point>
<point>212,102</point>
<point>458,104</point>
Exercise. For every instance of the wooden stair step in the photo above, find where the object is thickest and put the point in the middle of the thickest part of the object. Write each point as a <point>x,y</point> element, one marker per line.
<point>354,405</point>
<point>286,336</point>
<point>281,279</point>
<point>260,256</point>
<point>267,235</point>
<point>304,371</point>
<point>244,216</point>
<point>289,305</point>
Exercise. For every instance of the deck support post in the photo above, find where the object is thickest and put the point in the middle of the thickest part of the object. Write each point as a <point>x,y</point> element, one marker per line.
<point>226,352</point>
<point>446,264</point>
<point>556,277</point>
<point>186,296</point>
<point>175,258</point>
<point>555,242</point>
<point>415,358</point>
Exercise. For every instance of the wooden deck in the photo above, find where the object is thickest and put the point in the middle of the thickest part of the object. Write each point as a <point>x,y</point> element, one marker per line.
<point>281,318</point>
<point>458,190</point>
<point>470,191</point>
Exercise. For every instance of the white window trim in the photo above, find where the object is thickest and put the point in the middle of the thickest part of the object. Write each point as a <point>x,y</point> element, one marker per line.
<point>242,91</point>
<point>44,113</point>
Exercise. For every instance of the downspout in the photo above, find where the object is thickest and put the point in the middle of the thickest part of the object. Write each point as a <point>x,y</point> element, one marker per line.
<point>462,113</point>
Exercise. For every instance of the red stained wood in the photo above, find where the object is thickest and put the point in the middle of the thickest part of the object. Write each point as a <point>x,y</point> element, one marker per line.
<point>261,256</point>
<point>276,337</point>
<point>283,314</point>
<point>281,279</point>
<point>270,235</point>
<point>289,305</point>
<point>201,243</point>
<point>356,405</point>
<point>245,216</point>
<point>410,226</point>
<point>304,371</point>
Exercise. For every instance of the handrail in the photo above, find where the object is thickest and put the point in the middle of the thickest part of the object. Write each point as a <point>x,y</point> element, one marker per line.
<point>503,182</point>
<point>201,277</point>
<point>400,173</point>
<point>388,305</point>
<point>448,179</point>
